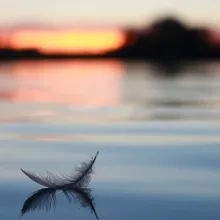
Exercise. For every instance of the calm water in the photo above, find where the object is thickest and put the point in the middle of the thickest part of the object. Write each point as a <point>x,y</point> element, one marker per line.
<point>158,137</point>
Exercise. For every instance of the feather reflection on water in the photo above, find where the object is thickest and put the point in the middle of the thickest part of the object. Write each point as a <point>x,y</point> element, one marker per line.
<point>42,199</point>
<point>45,199</point>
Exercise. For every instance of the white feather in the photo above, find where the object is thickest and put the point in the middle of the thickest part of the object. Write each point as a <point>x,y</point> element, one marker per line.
<point>81,177</point>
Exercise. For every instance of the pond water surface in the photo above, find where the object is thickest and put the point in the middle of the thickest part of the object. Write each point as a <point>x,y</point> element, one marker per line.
<point>158,137</point>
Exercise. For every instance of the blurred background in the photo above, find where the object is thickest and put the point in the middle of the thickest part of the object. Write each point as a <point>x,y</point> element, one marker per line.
<point>137,80</point>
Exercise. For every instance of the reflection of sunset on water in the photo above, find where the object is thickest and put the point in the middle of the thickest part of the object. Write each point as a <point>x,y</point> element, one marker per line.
<point>78,41</point>
<point>76,83</point>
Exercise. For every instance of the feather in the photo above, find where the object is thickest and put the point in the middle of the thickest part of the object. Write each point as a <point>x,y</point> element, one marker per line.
<point>46,198</point>
<point>81,178</point>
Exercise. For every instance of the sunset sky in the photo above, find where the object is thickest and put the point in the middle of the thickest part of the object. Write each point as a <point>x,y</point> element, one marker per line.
<point>68,41</point>
<point>112,12</point>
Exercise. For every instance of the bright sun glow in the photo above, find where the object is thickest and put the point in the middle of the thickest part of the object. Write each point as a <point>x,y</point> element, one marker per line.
<point>78,41</point>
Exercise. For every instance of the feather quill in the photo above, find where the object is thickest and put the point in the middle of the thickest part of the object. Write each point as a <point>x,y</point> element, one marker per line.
<point>81,178</point>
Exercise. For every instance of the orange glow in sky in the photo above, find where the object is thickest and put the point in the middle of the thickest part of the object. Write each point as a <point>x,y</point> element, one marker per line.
<point>69,41</point>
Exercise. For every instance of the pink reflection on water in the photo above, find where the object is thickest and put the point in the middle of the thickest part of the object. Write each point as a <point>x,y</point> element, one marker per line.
<point>77,83</point>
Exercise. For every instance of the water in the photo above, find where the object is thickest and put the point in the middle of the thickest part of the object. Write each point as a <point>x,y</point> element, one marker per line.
<point>158,137</point>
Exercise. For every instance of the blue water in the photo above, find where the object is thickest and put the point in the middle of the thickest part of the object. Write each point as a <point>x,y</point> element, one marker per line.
<point>158,138</point>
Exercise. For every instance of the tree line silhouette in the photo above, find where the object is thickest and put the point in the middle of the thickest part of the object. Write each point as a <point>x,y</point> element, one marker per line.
<point>165,39</point>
